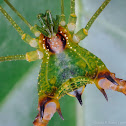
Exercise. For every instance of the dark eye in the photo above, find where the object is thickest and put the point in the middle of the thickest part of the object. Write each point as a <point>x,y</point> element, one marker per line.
<point>63,39</point>
<point>47,40</point>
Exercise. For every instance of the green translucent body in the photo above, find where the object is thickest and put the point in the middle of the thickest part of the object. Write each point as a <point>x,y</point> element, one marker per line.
<point>67,71</point>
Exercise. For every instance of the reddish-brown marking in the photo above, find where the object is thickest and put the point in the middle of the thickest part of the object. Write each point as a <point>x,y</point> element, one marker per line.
<point>55,44</point>
<point>44,101</point>
<point>106,84</point>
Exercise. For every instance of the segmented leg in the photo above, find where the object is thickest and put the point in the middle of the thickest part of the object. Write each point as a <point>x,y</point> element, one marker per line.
<point>29,56</point>
<point>27,38</point>
<point>18,29</point>
<point>12,7</point>
<point>34,55</point>
<point>72,18</point>
<point>63,18</point>
<point>82,33</point>
<point>32,28</point>
<point>12,58</point>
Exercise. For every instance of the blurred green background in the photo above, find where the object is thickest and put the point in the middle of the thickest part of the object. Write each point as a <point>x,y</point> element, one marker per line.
<point>18,80</point>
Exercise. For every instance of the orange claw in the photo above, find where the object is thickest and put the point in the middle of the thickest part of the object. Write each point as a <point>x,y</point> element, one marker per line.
<point>39,122</point>
<point>107,80</point>
<point>47,107</point>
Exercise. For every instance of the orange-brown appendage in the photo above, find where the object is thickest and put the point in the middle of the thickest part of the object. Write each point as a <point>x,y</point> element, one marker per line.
<point>47,107</point>
<point>109,81</point>
<point>39,122</point>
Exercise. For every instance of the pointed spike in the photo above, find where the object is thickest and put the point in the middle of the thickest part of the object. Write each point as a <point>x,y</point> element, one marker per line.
<point>37,121</point>
<point>111,79</point>
<point>49,17</point>
<point>104,93</point>
<point>56,24</point>
<point>50,21</point>
<point>60,113</point>
<point>41,18</point>
<point>41,111</point>
<point>43,31</point>
<point>78,96</point>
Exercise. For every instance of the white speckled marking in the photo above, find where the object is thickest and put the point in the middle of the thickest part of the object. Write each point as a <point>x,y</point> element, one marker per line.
<point>37,34</point>
<point>71,27</point>
<point>40,54</point>
<point>62,23</point>
<point>33,43</point>
<point>76,39</point>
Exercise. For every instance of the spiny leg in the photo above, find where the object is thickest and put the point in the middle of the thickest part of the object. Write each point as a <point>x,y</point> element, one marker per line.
<point>72,18</point>
<point>63,18</point>
<point>13,23</point>
<point>12,58</point>
<point>29,56</point>
<point>47,106</point>
<point>32,28</point>
<point>82,33</point>
<point>27,38</point>
<point>107,80</point>
<point>12,7</point>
